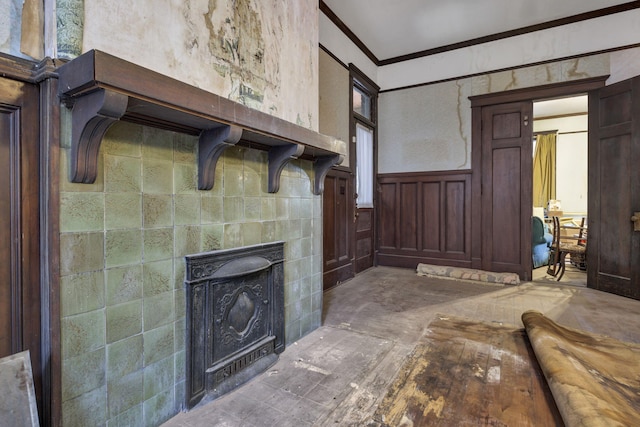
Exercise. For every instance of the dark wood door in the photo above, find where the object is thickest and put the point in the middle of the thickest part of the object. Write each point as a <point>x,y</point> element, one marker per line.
<point>506,188</point>
<point>337,223</point>
<point>19,224</point>
<point>613,247</point>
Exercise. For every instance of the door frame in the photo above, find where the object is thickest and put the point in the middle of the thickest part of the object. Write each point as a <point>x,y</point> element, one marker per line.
<point>43,76</point>
<point>555,90</point>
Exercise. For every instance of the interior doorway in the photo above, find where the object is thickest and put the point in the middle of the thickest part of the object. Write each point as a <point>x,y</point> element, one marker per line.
<point>560,180</point>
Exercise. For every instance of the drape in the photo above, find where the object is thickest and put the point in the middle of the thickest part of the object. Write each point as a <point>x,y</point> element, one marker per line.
<point>364,167</point>
<point>544,169</point>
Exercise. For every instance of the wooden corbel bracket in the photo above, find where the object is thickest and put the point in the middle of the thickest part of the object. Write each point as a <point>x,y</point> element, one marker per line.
<point>211,145</point>
<point>279,156</point>
<point>92,115</point>
<point>321,166</point>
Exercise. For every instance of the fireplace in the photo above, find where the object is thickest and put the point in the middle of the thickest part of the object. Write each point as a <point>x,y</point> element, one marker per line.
<point>235,317</point>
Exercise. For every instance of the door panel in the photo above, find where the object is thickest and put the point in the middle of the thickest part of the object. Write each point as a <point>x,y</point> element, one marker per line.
<point>613,248</point>
<point>337,219</point>
<point>365,197</point>
<point>506,188</point>
<point>19,225</point>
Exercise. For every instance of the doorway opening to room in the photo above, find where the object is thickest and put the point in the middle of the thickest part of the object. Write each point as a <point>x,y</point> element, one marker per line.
<point>560,188</point>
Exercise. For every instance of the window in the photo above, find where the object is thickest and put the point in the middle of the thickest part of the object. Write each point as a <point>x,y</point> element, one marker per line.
<point>364,167</point>
<point>361,102</point>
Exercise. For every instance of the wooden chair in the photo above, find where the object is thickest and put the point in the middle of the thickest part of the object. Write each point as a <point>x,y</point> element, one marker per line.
<point>561,246</point>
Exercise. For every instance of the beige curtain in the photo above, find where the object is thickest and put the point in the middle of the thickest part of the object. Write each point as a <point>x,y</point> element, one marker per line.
<point>544,169</point>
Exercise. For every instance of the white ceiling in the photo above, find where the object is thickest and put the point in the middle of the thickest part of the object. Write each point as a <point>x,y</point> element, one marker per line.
<point>391,28</point>
<point>560,106</point>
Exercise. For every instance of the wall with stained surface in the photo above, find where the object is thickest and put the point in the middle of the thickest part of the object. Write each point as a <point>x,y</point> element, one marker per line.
<point>263,54</point>
<point>428,128</point>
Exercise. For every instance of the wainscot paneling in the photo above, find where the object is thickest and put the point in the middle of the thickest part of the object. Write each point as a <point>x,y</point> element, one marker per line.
<point>425,217</point>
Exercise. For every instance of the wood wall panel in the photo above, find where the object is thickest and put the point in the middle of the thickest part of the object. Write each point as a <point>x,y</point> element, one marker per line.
<point>425,217</point>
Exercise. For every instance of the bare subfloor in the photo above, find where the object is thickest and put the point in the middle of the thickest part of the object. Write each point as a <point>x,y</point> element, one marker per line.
<point>339,373</point>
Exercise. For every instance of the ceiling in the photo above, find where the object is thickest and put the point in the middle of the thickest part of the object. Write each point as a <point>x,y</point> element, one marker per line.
<point>391,29</point>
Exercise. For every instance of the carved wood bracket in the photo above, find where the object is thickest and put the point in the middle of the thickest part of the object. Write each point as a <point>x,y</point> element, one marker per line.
<point>321,167</point>
<point>279,156</point>
<point>211,145</point>
<point>101,89</point>
<point>91,117</point>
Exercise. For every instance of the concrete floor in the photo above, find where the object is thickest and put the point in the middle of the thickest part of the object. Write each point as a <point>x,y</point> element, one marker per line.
<point>339,373</point>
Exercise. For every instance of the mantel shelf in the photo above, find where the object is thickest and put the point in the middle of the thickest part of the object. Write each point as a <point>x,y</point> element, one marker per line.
<point>102,89</point>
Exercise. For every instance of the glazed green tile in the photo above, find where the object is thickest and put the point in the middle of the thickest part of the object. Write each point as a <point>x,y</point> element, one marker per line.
<point>251,233</point>
<point>157,210</point>
<point>292,270</point>
<point>305,266</point>
<point>88,409</point>
<point>293,249</point>
<point>306,324</point>
<point>268,231</point>
<point>185,178</point>
<point>124,284</point>
<point>268,208</point>
<point>157,277</point>
<point>187,209</point>
<point>233,180</point>
<point>294,208</point>
<point>253,182</point>
<point>124,320</point>
<point>132,416</point>
<point>123,139</point>
<point>292,331</point>
<point>294,229</point>
<point>292,292</point>
<point>282,208</point>
<point>252,208</point>
<point>316,301</point>
<point>185,148</point>
<point>123,210</point>
<point>180,367</point>
<point>83,373</point>
<point>211,209</point>
<point>158,344</point>
<point>158,377</point>
<point>80,293</point>
<point>187,240</point>
<point>157,144</point>
<point>179,268</point>
<point>126,395</point>
<point>123,247</point>
<point>317,207</point>
<point>306,287</point>
<point>122,174</point>
<point>306,247</point>
<point>82,333</point>
<point>81,211</point>
<point>180,395</point>
<point>232,236</point>
<point>233,157</point>
<point>306,208</point>
<point>125,357</point>
<point>159,408</point>
<point>212,237</point>
<point>81,252</point>
<point>179,331</point>
<point>65,181</point>
<point>233,209</point>
<point>158,310</point>
<point>157,176</point>
<point>158,244</point>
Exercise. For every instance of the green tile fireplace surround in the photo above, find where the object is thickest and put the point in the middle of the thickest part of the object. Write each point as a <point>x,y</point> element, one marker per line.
<point>123,239</point>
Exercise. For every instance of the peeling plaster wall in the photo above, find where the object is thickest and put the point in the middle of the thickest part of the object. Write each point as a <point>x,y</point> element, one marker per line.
<point>263,54</point>
<point>21,28</point>
<point>334,100</point>
<point>428,128</point>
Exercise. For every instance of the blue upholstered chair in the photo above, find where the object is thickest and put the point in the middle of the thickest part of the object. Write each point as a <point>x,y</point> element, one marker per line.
<point>540,241</point>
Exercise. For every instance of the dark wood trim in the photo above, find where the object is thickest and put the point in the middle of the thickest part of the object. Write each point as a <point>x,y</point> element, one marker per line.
<point>554,90</point>
<point>102,89</point>
<point>517,32</point>
<point>533,64</point>
<point>347,32</point>
<point>335,58</point>
<point>50,250</point>
<point>479,40</point>
<point>412,176</point>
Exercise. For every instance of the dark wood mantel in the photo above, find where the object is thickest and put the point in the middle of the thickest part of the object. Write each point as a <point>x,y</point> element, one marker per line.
<point>102,89</point>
